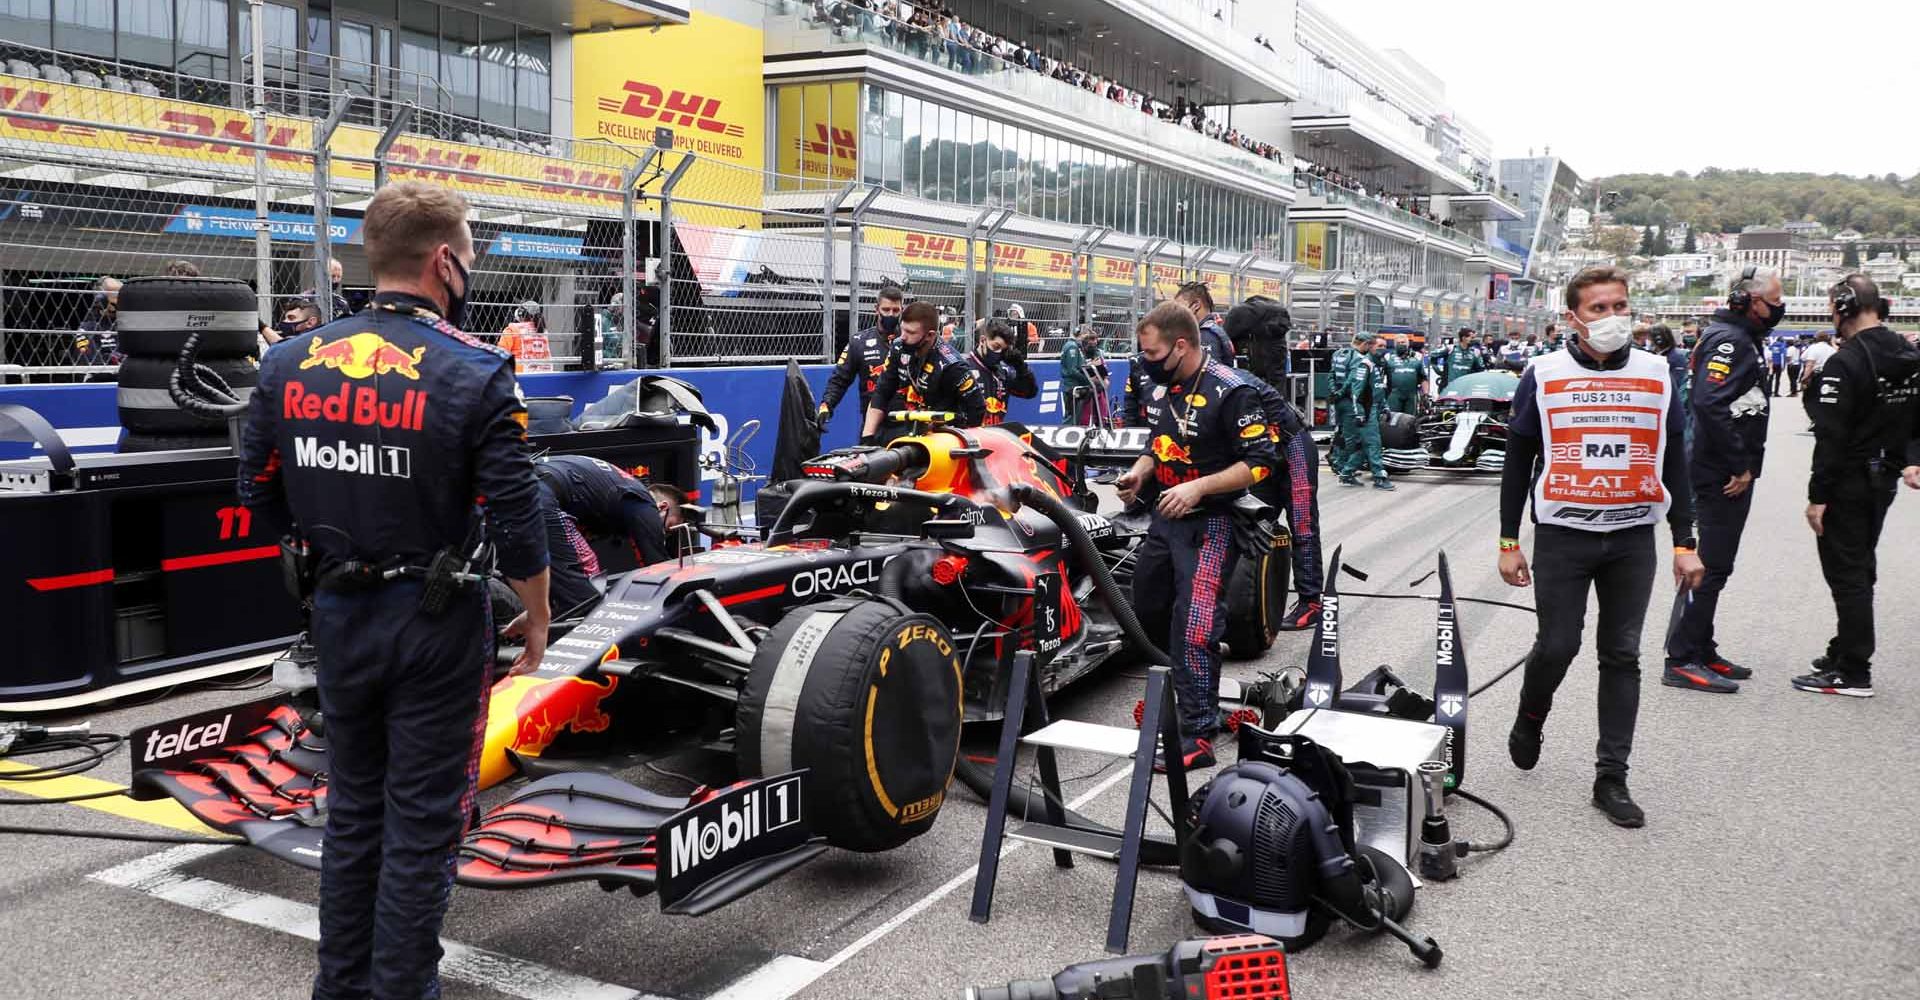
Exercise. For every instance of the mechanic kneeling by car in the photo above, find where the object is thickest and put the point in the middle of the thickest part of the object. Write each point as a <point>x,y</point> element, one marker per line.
<point>583,498</point>
<point>1209,445</point>
<point>386,506</point>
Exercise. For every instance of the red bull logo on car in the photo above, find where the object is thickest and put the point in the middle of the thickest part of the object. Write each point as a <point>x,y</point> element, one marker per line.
<point>526,714</point>
<point>362,355</point>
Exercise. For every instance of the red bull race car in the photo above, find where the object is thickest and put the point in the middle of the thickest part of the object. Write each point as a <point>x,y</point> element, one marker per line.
<point>832,656</point>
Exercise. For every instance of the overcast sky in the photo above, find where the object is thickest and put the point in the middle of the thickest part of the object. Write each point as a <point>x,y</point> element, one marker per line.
<point>1673,70</point>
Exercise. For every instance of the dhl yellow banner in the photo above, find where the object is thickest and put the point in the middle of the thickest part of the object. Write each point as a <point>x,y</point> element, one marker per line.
<point>929,256</point>
<point>204,135</point>
<point>817,133</point>
<point>701,79</point>
<point>1310,245</point>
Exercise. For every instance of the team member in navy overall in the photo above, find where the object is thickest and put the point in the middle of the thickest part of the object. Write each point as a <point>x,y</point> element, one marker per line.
<point>925,373</point>
<point>1209,444</point>
<point>1001,366</point>
<point>865,357</point>
<point>1213,336</point>
<point>582,498</point>
<point>1261,325</point>
<point>1602,421</point>
<point>1726,445</point>
<point>385,440</point>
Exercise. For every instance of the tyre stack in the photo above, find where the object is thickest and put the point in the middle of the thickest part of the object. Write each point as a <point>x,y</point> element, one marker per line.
<point>156,317</point>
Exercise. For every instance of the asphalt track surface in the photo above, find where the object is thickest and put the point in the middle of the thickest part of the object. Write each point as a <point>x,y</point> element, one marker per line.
<point>1775,861</point>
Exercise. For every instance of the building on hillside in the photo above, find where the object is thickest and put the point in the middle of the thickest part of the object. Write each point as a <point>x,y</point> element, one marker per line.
<point>1579,223</point>
<point>1683,265</point>
<point>1759,247</point>
<point>1805,228</point>
<point>1885,269</point>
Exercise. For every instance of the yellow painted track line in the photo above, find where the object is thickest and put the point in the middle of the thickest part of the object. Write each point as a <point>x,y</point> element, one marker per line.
<point>159,812</point>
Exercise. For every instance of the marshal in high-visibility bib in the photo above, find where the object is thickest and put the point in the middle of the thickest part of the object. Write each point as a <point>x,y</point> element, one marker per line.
<point>1605,440</point>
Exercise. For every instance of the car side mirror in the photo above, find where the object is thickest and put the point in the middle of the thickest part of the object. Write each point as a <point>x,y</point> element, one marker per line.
<point>946,529</point>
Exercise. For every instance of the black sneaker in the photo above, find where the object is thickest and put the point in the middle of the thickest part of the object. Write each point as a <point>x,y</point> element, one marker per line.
<point>1728,669</point>
<point>1524,740</point>
<point>1610,796</point>
<point>1383,483</point>
<point>1304,615</point>
<point>1195,754</point>
<point>1349,479</point>
<point>1694,677</point>
<point>1834,682</point>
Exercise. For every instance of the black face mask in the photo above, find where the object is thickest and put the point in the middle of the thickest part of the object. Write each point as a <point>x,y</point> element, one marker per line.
<point>992,357</point>
<point>1775,313</point>
<point>457,302</point>
<point>1161,371</point>
<point>889,325</point>
<point>287,329</point>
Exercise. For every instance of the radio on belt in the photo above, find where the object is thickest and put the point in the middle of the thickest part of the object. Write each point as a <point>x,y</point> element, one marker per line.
<point>1384,755</point>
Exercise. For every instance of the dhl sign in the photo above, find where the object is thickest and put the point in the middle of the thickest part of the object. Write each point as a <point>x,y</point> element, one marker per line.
<point>816,133</point>
<point>629,83</point>
<point>212,137</point>
<point>209,135</point>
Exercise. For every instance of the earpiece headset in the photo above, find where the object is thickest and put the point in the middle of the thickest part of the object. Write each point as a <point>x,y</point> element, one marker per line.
<point>1739,298</point>
<point>1849,301</point>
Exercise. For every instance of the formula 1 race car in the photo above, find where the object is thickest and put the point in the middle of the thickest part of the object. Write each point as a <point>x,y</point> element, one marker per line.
<point>835,658</point>
<point>1465,427</point>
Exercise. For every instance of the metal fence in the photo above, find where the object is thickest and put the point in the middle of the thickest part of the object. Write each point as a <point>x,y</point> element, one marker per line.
<point>620,255</point>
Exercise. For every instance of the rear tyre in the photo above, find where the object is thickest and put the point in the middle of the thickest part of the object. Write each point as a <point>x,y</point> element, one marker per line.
<point>866,696</point>
<point>1399,431</point>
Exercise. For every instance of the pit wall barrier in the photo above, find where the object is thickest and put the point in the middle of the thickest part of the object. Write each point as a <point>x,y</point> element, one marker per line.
<point>85,416</point>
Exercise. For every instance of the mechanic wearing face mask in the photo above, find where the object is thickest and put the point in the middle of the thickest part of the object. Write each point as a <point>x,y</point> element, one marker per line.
<point>865,356</point>
<point>924,373</point>
<point>1209,444</point>
<point>1463,360</point>
<point>1726,397</point>
<point>1339,406</point>
<point>1606,422</point>
<point>1406,375</point>
<point>374,439</point>
<point>1865,404</point>
<point>1002,368</point>
<point>1261,324</point>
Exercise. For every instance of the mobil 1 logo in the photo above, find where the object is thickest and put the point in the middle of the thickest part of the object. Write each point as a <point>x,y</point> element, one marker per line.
<point>745,823</point>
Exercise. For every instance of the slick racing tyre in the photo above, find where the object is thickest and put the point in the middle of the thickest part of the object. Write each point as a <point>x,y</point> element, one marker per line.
<point>866,696</point>
<point>1399,431</point>
<point>157,314</point>
<point>1256,602</point>
<point>147,408</point>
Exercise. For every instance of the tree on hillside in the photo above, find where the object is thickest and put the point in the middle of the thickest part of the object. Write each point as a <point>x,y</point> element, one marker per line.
<point>1850,257</point>
<point>1646,241</point>
<point>1691,245</point>
<point>1618,242</point>
<point>1660,245</point>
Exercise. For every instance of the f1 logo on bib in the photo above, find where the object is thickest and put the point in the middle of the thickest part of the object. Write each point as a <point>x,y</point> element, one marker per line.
<point>1605,451</point>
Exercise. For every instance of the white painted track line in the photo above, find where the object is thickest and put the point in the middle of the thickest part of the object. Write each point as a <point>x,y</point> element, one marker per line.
<point>158,876</point>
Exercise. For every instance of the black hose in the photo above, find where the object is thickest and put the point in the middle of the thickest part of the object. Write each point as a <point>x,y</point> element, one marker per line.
<point>1083,549</point>
<point>1498,813</point>
<point>189,389</point>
